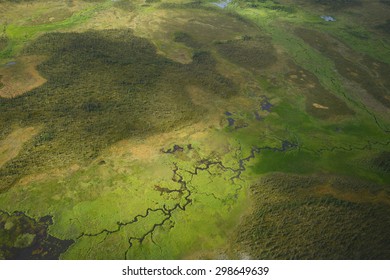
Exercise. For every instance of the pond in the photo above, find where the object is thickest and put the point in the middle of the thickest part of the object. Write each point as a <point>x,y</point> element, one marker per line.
<point>222,4</point>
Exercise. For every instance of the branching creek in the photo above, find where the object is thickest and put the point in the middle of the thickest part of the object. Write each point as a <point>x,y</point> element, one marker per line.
<point>350,148</point>
<point>203,165</point>
<point>185,192</point>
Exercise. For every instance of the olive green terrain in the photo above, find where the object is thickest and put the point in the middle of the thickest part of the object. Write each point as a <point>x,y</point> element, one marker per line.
<point>182,130</point>
<point>123,96</point>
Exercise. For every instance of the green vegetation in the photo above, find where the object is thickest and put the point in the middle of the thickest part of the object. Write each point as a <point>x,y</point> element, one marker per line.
<point>253,53</point>
<point>385,27</point>
<point>182,130</point>
<point>103,87</point>
<point>19,35</point>
<point>185,38</point>
<point>349,69</point>
<point>22,237</point>
<point>125,5</point>
<point>311,225</point>
<point>336,4</point>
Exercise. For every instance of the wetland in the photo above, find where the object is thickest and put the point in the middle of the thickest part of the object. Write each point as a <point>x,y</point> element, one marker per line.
<point>194,130</point>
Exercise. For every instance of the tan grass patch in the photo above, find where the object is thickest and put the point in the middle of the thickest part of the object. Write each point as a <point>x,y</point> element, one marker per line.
<point>200,97</point>
<point>362,196</point>
<point>50,174</point>
<point>21,77</point>
<point>148,149</point>
<point>13,143</point>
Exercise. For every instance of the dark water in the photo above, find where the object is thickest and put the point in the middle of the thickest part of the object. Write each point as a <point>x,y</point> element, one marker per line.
<point>24,238</point>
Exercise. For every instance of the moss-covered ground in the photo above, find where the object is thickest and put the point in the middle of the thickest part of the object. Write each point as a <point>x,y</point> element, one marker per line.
<point>181,130</point>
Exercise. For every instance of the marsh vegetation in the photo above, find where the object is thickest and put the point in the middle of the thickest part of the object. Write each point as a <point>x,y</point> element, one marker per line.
<point>312,223</point>
<point>103,87</point>
<point>141,129</point>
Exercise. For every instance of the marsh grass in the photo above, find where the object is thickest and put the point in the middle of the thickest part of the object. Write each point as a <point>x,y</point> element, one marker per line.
<point>185,38</point>
<point>289,215</point>
<point>19,34</point>
<point>315,93</point>
<point>3,42</point>
<point>125,5</point>
<point>337,4</point>
<point>23,237</point>
<point>103,87</point>
<point>253,53</point>
<point>107,86</point>
<point>349,69</point>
